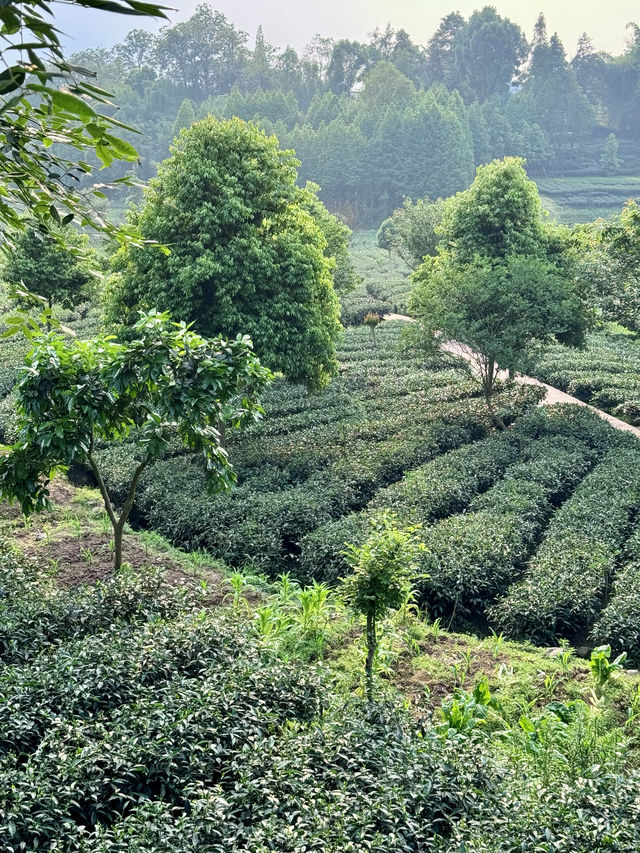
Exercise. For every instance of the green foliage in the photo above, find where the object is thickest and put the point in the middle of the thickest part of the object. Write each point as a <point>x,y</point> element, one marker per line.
<point>58,268</point>
<point>413,232</point>
<point>610,161</point>
<point>45,100</point>
<point>498,216</point>
<point>382,570</point>
<point>619,622</point>
<point>167,385</point>
<point>255,265</point>
<point>603,668</point>
<point>497,286</point>
<point>563,588</point>
<point>604,374</point>
<point>337,236</point>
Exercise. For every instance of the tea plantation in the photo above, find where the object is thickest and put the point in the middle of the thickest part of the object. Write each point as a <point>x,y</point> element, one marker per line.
<point>135,718</point>
<point>605,374</point>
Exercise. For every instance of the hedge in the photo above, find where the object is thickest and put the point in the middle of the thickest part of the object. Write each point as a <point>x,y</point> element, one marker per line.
<point>567,580</point>
<point>472,557</point>
<point>619,622</point>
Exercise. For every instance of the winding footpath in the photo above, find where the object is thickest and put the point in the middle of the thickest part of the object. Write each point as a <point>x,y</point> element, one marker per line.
<point>553,395</point>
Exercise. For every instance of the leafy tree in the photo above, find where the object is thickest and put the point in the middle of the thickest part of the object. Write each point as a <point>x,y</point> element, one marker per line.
<point>44,99</point>
<point>337,236</point>
<point>186,116</point>
<point>500,214</point>
<point>386,235</point>
<point>500,283</point>
<point>167,385</point>
<point>385,86</point>
<point>414,232</point>
<point>246,255</point>
<point>349,59</point>
<point>47,267</point>
<point>497,310</point>
<point>204,54</point>
<point>610,161</point>
<point>382,570</point>
<point>552,98</point>
<point>488,51</point>
<point>440,64</point>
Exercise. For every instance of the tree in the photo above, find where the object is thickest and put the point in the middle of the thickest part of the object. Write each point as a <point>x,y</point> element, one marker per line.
<point>414,232</point>
<point>386,235</point>
<point>610,161</point>
<point>43,100</point>
<point>205,54</point>
<point>488,51</point>
<point>246,255</point>
<point>337,236</point>
<point>498,310</point>
<point>440,63</point>
<point>47,267</point>
<point>185,118</point>
<point>382,570</point>
<point>499,214</point>
<point>167,385</point>
<point>500,283</point>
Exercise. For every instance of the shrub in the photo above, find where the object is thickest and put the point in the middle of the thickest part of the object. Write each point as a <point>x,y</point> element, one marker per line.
<point>565,583</point>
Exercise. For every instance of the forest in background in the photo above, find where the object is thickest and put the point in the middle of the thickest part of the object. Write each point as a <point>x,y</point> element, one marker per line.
<point>375,122</point>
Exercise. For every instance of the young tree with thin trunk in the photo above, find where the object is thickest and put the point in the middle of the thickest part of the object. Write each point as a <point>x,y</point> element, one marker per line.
<point>167,385</point>
<point>382,571</point>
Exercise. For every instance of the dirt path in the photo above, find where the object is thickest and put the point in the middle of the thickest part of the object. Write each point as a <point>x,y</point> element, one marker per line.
<point>553,395</point>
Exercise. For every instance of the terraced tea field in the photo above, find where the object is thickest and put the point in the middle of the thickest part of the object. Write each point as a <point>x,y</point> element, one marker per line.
<point>605,374</point>
<point>583,199</point>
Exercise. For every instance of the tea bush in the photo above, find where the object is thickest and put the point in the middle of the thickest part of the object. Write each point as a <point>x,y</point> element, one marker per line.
<point>567,579</point>
<point>619,622</point>
<point>605,374</point>
<point>315,459</point>
<point>470,558</point>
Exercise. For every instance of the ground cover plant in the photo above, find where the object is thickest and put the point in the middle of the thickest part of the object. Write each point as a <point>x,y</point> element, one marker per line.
<point>605,373</point>
<point>135,716</point>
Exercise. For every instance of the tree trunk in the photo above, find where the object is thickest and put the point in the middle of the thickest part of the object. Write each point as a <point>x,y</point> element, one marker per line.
<point>117,541</point>
<point>371,650</point>
<point>488,383</point>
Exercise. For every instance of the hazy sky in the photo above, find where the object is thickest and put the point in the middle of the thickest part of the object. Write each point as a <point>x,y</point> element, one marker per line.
<point>296,21</point>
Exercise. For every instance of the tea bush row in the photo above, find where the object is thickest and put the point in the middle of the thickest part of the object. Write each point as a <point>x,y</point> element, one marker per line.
<point>304,467</point>
<point>565,583</point>
<point>605,374</point>
<point>447,484</point>
<point>470,558</point>
<point>619,622</point>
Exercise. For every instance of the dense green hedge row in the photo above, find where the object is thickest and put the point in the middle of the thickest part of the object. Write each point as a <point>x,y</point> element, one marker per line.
<point>567,579</point>
<point>472,557</point>
<point>619,622</point>
<point>605,374</point>
<point>439,488</point>
<point>315,459</point>
<point>181,734</point>
<point>447,484</point>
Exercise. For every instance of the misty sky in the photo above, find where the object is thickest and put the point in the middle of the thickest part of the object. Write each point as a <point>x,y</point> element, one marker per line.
<point>296,21</point>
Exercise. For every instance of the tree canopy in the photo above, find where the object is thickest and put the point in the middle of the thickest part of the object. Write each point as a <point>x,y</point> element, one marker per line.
<point>166,385</point>
<point>45,99</point>
<point>45,265</point>
<point>246,256</point>
<point>498,284</point>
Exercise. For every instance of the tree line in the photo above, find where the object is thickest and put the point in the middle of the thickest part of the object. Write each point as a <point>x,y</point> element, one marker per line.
<point>376,121</point>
